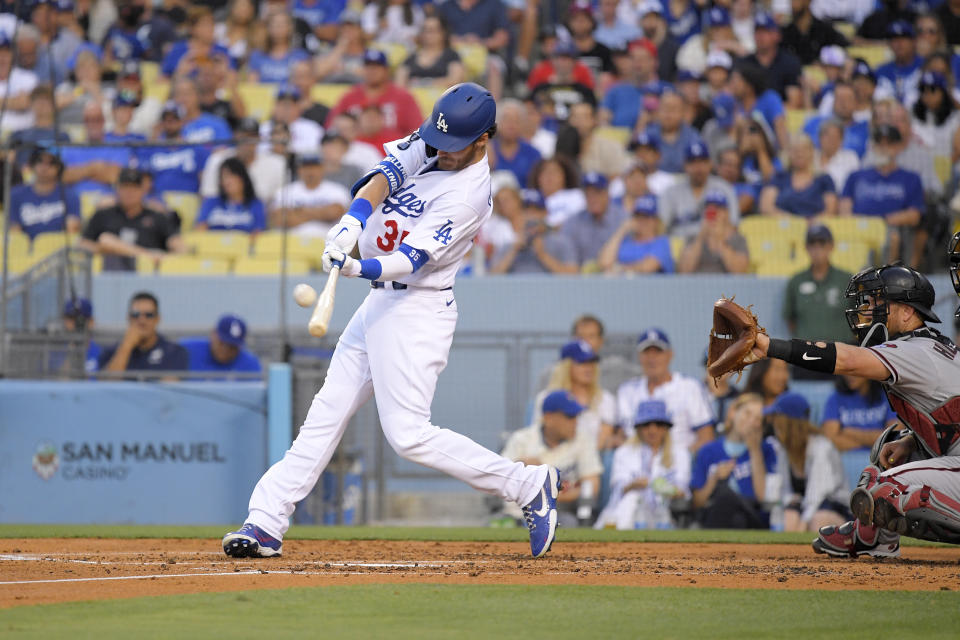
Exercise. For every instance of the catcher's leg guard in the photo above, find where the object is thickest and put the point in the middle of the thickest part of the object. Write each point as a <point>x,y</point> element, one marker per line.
<point>923,512</point>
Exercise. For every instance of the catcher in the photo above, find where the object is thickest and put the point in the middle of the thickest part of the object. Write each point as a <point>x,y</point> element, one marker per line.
<point>912,486</point>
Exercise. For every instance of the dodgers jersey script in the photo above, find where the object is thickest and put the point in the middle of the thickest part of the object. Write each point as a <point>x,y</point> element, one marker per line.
<point>438,212</point>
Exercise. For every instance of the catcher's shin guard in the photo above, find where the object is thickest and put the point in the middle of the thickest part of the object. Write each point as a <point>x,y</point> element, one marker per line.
<point>925,513</point>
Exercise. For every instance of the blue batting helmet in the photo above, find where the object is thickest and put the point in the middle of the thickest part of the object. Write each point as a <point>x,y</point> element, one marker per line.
<point>461,115</point>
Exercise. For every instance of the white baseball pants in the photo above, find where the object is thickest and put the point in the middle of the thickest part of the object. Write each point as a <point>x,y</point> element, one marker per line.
<point>394,347</point>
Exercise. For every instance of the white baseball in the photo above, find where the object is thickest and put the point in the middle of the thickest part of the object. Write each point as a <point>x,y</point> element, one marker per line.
<point>305,295</point>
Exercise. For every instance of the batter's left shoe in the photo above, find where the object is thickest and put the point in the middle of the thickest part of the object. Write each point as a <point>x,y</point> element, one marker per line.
<point>541,515</point>
<point>251,542</point>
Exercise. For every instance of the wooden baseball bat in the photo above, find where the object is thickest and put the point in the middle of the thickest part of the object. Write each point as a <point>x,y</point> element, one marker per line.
<point>320,319</point>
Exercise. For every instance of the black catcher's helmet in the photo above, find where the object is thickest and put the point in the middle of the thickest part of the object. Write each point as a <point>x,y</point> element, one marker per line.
<point>870,291</point>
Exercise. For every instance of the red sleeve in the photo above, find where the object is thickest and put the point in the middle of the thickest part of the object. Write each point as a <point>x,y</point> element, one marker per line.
<point>582,75</point>
<point>409,117</point>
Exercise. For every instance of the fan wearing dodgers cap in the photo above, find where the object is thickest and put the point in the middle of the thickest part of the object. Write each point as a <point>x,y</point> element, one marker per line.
<point>685,397</point>
<point>637,246</point>
<point>223,349</point>
<point>718,36</point>
<point>557,441</point>
<point>718,247</point>
<point>901,76</point>
<point>646,468</point>
<point>537,248</point>
<point>78,316</point>
<point>682,205</point>
<point>578,371</point>
<point>590,229</point>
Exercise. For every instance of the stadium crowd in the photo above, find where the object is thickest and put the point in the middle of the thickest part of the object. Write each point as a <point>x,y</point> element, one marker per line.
<point>782,137</point>
<point>634,135</point>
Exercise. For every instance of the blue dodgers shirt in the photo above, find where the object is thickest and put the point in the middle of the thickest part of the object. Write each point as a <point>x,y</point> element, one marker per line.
<point>163,356</point>
<point>79,156</point>
<point>854,411</point>
<point>874,194</point>
<point>220,215</point>
<point>632,251</point>
<point>806,202</point>
<point>37,213</point>
<point>855,135</point>
<point>123,45</point>
<point>521,164</point>
<point>274,70</point>
<point>902,80</point>
<point>683,26</point>
<point>174,169</point>
<point>205,128</point>
<point>741,479</point>
<point>769,106</point>
<point>201,359</point>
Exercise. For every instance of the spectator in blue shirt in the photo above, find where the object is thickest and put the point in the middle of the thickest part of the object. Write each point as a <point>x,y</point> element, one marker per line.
<point>224,349</point>
<point>855,134</point>
<point>41,133</point>
<point>173,168</point>
<point>197,125</point>
<point>123,108</point>
<point>511,152</point>
<point>94,169</point>
<point>623,101</point>
<point>142,347</point>
<point>759,161</point>
<point>853,418</point>
<point>480,22</point>
<point>236,208</point>
<point>683,19</point>
<point>611,31</point>
<point>184,55</point>
<point>636,247</point>
<point>674,135</point>
<point>800,191</point>
<point>322,16</point>
<point>885,190</point>
<point>749,87</point>
<point>44,206</point>
<point>901,76</point>
<point>273,64</point>
<point>729,475</point>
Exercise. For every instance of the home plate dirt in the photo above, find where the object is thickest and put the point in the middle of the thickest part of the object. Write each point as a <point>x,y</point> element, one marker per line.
<point>34,571</point>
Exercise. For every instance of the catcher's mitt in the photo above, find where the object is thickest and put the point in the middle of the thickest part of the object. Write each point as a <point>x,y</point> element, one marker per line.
<point>732,338</point>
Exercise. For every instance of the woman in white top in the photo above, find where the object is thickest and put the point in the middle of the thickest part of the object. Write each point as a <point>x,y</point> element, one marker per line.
<point>935,116</point>
<point>648,472</point>
<point>392,21</point>
<point>814,489</point>
<point>833,159</point>
<point>238,30</point>
<point>578,373</point>
<point>556,179</point>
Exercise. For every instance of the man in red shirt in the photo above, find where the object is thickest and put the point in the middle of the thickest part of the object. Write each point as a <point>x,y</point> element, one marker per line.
<point>401,115</point>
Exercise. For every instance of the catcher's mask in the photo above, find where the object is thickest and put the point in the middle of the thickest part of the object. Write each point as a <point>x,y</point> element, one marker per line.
<point>870,293</point>
<point>954,257</point>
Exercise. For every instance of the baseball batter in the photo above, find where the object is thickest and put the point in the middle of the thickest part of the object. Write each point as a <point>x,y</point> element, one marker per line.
<point>913,484</point>
<point>415,216</point>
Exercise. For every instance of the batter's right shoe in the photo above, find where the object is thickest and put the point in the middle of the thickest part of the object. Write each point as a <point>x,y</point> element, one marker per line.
<point>251,542</point>
<point>853,539</point>
<point>541,515</point>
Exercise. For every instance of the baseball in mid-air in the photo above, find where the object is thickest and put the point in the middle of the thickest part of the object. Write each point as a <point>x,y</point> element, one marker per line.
<point>305,295</point>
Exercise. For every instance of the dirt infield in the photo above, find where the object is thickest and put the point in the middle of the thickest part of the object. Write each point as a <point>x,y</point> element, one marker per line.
<point>34,571</point>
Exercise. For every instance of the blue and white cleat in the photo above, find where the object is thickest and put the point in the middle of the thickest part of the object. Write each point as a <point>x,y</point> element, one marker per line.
<point>251,542</point>
<point>541,515</point>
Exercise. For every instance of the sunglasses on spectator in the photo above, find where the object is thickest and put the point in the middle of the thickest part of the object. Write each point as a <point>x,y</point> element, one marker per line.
<point>149,315</point>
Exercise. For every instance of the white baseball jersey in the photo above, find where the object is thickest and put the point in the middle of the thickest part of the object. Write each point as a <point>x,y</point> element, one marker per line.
<point>394,348</point>
<point>686,400</point>
<point>435,214</point>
